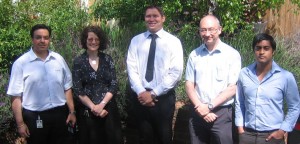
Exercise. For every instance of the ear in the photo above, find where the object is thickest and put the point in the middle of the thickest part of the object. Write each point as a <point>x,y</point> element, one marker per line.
<point>220,30</point>
<point>163,18</point>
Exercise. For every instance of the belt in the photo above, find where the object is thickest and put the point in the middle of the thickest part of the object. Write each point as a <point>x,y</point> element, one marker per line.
<point>256,131</point>
<point>55,109</point>
<point>148,89</point>
<point>164,95</point>
<point>222,107</point>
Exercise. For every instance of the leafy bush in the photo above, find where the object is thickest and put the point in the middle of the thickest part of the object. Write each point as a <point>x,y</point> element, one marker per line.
<point>7,123</point>
<point>64,16</point>
<point>14,36</point>
<point>234,14</point>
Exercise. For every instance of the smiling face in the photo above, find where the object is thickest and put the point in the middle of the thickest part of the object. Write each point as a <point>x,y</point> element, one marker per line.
<point>154,20</point>
<point>210,29</point>
<point>40,40</point>
<point>263,52</point>
<point>92,42</point>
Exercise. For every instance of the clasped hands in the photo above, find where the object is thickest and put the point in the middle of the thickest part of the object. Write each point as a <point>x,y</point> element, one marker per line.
<point>98,110</point>
<point>203,111</point>
<point>145,99</point>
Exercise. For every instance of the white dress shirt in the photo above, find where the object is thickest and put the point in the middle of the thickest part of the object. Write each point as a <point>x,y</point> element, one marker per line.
<point>168,63</point>
<point>40,83</point>
<point>213,71</point>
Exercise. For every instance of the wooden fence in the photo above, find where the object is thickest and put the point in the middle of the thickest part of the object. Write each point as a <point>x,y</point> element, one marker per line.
<point>285,21</point>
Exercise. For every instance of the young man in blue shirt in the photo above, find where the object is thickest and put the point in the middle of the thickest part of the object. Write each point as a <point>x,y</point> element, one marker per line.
<point>263,88</point>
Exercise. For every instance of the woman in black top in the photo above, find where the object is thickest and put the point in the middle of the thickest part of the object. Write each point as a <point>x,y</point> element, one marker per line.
<point>95,85</point>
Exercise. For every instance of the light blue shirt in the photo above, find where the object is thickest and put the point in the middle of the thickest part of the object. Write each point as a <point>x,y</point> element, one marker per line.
<point>260,105</point>
<point>40,83</point>
<point>168,62</point>
<point>213,71</point>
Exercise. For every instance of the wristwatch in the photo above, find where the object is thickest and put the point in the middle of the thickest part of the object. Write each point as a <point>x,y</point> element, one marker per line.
<point>153,96</point>
<point>210,106</point>
<point>72,112</point>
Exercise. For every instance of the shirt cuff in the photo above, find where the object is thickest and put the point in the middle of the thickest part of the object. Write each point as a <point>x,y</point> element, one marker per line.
<point>286,127</point>
<point>239,122</point>
<point>68,86</point>
<point>138,90</point>
<point>158,91</point>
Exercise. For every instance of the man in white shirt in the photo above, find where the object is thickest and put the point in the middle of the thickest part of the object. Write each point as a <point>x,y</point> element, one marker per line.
<point>211,74</point>
<point>153,78</point>
<point>40,90</point>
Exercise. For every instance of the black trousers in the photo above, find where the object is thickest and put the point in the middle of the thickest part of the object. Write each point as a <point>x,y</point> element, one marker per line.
<point>294,137</point>
<point>97,130</point>
<point>155,123</point>
<point>217,132</point>
<point>54,129</point>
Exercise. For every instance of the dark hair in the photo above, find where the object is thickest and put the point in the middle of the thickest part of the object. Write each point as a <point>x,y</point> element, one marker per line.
<point>100,34</point>
<point>40,26</point>
<point>161,12</point>
<point>263,36</point>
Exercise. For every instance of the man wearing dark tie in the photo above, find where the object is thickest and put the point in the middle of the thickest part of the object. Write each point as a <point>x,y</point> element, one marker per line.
<point>155,65</point>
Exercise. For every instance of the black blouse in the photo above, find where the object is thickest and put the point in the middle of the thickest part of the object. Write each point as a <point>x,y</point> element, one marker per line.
<point>94,84</point>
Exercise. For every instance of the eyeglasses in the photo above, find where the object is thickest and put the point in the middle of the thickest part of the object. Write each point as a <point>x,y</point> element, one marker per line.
<point>209,30</point>
<point>92,39</point>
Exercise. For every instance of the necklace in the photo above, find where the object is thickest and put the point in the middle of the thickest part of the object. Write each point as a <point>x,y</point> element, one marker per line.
<point>94,62</point>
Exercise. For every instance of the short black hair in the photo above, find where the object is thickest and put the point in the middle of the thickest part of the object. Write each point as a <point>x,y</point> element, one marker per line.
<point>40,26</point>
<point>100,34</point>
<point>161,12</point>
<point>263,36</point>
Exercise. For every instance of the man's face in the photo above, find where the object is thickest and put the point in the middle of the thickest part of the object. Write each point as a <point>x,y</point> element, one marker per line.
<point>263,52</point>
<point>209,30</point>
<point>41,40</point>
<point>154,20</point>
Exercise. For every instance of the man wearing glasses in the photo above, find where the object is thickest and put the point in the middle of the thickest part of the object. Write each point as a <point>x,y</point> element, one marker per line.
<point>211,74</point>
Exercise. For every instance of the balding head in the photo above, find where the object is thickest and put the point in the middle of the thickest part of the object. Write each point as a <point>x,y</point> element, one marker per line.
<point>210,29</point>
<point>210,19</point>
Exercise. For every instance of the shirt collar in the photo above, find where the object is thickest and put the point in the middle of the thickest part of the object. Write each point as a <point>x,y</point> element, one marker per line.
<point>159,33</point>
<point>275,67</point>
<point>32,55</point>
<point>218,48</point>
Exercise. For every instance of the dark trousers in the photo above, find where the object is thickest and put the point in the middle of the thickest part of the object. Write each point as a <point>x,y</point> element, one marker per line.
<point>254,137</point>
<point>54,129</point>
<point>294,137</point>
<point>155,123</point>
<point>96,130</point>
<point>217,132</point>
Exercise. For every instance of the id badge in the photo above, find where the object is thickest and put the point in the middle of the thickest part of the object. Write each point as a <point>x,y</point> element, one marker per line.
<point>39,123</point>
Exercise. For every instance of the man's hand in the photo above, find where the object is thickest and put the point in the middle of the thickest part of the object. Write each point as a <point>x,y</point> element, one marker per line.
<point>279,134</point>
<point>23,130</point>
<point>71,118</point>
<point>210,117</point>
<point>202,109</point>
<point>240,129</point>
<point>145,99</point>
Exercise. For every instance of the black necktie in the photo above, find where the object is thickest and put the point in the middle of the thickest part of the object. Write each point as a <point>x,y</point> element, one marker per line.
<point>151,56</point>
